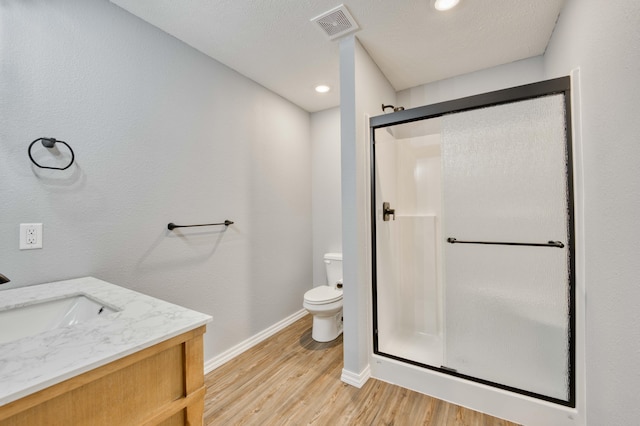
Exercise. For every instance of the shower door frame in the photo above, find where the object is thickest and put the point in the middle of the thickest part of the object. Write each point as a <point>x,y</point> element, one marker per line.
<point>555,86</point>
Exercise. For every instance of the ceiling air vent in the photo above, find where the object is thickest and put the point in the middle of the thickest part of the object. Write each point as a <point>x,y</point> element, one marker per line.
<point>336,23</point>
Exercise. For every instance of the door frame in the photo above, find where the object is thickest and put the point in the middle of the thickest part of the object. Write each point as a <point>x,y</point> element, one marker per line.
<point>560,85</point>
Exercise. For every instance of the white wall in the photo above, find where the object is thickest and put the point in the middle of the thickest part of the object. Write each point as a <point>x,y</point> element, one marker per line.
<point>603,39</point>
<point>325,189</point>
<point>363,90</point>
<point>509,75</point>
<point>162,134</point>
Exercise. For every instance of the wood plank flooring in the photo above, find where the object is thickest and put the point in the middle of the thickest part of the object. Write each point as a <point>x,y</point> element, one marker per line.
<point>289,379</point>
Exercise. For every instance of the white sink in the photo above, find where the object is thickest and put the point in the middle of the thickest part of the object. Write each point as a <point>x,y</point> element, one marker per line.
<point>38,317</point>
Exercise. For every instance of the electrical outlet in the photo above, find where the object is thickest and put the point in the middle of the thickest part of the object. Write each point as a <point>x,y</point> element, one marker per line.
<point>30,236</point>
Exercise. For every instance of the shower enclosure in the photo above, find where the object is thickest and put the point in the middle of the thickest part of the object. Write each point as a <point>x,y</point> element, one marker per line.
<point>472,239</point>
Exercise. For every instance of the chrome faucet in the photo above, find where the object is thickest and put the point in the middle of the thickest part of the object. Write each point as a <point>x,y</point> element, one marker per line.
<point>4,279</point>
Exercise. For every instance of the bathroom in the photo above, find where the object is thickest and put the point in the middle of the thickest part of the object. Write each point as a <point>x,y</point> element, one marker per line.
<point>158,139</point>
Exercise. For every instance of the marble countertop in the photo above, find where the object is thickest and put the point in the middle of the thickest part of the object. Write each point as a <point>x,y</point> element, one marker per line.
<point>33,363</point>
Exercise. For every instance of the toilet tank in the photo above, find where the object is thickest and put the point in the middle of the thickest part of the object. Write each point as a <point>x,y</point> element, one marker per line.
<point>333,266</point>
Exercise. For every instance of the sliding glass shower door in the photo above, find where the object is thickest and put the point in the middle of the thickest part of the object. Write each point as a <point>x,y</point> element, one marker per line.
<point>507,305</point>
<point>473,264</point>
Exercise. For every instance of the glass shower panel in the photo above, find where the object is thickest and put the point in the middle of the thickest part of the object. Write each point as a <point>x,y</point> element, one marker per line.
<point>505,180</point>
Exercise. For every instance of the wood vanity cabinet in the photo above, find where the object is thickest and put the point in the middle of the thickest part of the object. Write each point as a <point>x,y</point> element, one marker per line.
<point>160,385</point>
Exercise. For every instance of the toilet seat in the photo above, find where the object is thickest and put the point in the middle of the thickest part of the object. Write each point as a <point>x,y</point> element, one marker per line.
<point>322,295</point>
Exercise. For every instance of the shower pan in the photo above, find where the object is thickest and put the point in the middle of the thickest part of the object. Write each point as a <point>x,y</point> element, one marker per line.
<point>473,240</point>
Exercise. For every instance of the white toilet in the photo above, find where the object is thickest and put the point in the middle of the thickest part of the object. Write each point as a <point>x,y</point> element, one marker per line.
<point>324,302</point>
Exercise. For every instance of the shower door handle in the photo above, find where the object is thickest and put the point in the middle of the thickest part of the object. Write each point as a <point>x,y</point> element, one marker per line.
<point>557,244</point>
<point>387,211</point>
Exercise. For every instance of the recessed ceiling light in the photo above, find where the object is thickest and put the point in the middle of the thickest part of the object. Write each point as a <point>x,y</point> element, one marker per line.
<point>322,88</point>
<point>445,4</point>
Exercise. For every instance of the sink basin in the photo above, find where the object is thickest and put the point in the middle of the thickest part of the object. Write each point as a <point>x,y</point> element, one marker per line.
<point>38,317</point>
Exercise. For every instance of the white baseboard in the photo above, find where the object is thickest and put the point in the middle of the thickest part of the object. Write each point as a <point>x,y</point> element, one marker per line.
<point>357,380</point>
<point>233,352</point>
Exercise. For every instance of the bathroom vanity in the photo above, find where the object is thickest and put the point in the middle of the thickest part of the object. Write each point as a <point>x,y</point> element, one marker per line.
<point>135,360</point>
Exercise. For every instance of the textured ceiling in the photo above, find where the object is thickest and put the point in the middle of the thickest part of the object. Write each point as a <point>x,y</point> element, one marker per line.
<point>274,43</point>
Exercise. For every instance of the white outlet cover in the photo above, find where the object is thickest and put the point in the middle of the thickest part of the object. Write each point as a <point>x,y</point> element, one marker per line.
<point>30,236</point>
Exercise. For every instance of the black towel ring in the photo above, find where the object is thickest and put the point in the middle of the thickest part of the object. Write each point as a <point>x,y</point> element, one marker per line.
<point>50,143</point>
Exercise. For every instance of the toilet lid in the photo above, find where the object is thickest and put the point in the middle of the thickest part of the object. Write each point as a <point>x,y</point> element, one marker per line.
<point>322,294</point>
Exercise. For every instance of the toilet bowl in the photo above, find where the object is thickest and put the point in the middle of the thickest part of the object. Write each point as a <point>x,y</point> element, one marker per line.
<point>324,302</point>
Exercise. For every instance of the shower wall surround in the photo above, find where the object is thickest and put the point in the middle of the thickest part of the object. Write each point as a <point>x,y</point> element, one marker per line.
<point>408,177</point>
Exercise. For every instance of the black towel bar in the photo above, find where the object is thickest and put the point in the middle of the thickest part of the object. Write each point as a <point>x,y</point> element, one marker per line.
<point>557,244</point>
<point>173,226</point>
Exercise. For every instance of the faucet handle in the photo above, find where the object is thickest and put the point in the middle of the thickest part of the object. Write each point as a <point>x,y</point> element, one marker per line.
<point>387,211</point>
<point>3,279</point>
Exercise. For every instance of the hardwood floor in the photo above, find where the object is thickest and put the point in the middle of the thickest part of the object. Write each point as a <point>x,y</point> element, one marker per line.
<point>289,379</point>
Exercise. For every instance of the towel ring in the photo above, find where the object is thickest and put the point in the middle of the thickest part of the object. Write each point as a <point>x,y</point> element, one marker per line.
<point>50,143</point>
